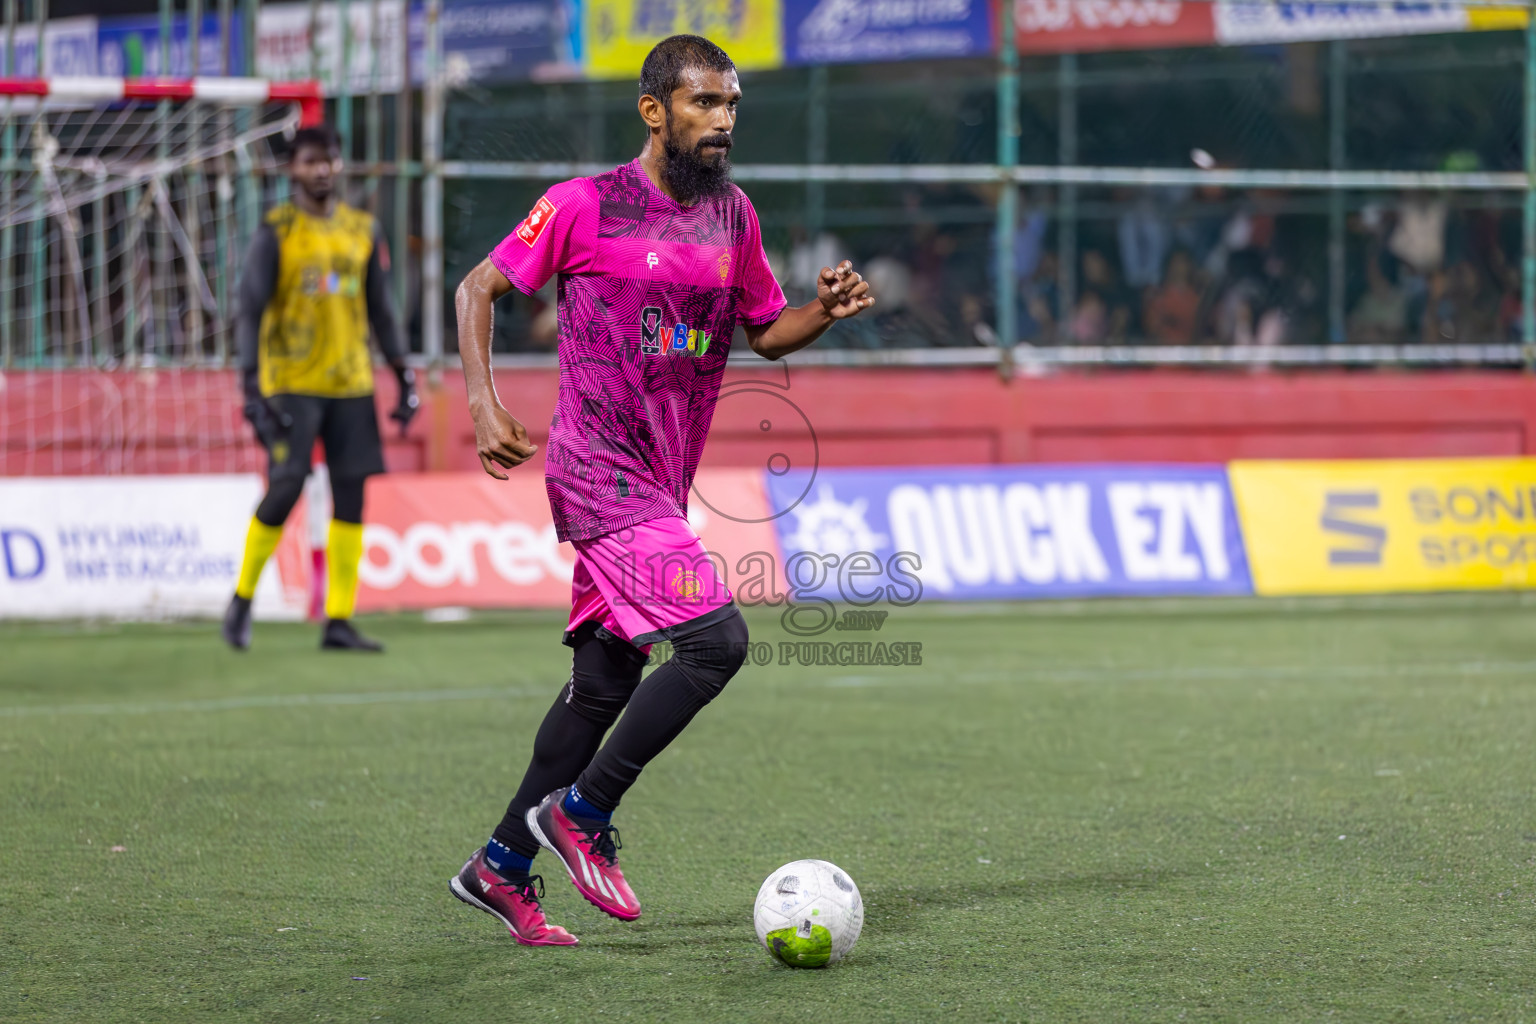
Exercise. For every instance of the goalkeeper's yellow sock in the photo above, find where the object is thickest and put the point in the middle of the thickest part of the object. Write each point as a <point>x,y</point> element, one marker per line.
<point>260,541</point>
<point>343,553</point>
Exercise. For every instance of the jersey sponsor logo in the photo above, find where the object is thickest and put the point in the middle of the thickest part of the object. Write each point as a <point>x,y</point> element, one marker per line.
<point>538,218</point>
<point>677,339</point>
<point>341,281</point>
<point>651,259</point>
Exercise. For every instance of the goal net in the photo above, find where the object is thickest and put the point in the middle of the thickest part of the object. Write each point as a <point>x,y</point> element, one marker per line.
<point>128,203</point>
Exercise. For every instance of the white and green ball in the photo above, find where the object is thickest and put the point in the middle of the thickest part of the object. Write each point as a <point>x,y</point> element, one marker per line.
<point>808,914</point>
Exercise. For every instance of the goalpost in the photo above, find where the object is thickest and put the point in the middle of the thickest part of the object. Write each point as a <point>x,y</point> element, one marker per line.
<point>127,205</point>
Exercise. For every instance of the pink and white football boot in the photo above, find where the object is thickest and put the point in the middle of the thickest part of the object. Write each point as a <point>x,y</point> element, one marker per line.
<point>590,856</point>
<point>514,903</point>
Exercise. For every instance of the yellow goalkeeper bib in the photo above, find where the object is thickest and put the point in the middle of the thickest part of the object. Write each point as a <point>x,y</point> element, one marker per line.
<point>314,333</point>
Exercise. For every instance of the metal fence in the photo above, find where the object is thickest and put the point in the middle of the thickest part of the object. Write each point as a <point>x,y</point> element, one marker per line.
<point>1345,202</point>
<point>1208,206</point>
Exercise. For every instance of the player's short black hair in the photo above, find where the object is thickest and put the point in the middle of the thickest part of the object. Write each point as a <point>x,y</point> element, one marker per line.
<point>322,135</point>
<point>663,69</point>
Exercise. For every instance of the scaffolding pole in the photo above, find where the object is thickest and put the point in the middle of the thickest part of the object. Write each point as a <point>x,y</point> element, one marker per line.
<point>815,150</point>
<point>1066,223</point>
<point>1008,189</point>
<point>8,275</point>
<point>402,148</point>
<point>1338,69</point>
<point>1528,245</point>
<point>432,193</point>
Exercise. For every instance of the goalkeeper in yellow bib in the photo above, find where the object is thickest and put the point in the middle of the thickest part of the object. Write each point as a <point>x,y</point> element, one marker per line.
<point>315,279</point>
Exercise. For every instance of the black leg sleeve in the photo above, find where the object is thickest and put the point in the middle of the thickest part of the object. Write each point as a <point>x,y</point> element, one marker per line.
<point>282,494</point>
<point>347,499</point>
<point>663,705</point>
<point>604,673</point>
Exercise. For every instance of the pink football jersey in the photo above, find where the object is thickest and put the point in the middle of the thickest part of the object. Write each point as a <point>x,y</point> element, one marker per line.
<point>650,293</point>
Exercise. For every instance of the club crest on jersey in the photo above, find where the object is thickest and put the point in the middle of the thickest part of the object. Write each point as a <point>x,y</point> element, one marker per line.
<point>686,584</point>
<point>675,339</point>
<point>538,218</point>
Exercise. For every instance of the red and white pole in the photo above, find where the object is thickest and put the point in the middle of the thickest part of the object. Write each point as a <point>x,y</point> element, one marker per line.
<point>233,92</point>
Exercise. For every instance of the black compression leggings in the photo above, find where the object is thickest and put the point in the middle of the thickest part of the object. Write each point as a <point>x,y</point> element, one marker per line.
<point>283,494</point>
<point>605,680</point>
<point>604,673</point>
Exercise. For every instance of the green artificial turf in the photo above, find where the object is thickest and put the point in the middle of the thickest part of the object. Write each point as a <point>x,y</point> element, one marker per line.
<point>1143,811</point>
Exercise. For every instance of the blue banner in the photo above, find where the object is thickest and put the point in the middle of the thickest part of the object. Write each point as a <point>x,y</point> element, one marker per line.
<point>130,48</point>
<point>69,44</point>
<point>492,42</point>
<point>849,31</point>
<point>993,532</point>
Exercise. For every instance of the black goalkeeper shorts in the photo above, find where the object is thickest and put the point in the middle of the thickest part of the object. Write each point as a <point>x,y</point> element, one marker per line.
<point>347,427</point>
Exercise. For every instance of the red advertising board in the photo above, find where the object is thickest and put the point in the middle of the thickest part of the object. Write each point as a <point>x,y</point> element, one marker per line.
<point>442,539</point>
<point>1074,26</point>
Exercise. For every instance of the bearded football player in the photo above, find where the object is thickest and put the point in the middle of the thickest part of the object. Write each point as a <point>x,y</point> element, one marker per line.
<point>658,261</point>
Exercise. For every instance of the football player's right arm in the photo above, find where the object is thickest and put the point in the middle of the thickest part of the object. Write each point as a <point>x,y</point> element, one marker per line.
<point>258,280</point>
<point>555,238</point>
<point>500,440</point>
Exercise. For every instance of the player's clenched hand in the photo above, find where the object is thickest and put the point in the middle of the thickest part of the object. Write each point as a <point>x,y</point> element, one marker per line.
<point>842,292</point>
<point>500,440</point>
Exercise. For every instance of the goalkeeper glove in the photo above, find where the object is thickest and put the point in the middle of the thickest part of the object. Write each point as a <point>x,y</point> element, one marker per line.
<point>410,402</point>
<point>270,423</point>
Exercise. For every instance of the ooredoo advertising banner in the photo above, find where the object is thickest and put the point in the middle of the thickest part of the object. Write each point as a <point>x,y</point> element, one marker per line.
<point>133,547</point>
<point>1071,26</point>
<point>1320,527</point>
<point>466,539</point>
<point>1012,531</point>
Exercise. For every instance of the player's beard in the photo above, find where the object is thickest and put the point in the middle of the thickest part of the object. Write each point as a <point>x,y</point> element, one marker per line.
<point>689,175</point>
<point>320,193</point>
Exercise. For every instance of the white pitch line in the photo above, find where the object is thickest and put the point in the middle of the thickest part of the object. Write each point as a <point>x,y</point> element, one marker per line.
<point>894,677</point>
<point>1193,673</point>
<point>285,700</point>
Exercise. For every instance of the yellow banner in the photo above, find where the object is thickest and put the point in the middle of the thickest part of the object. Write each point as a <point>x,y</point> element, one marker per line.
<point>1360,527</point>
<point>617,34</point>
<point>1493,19</point>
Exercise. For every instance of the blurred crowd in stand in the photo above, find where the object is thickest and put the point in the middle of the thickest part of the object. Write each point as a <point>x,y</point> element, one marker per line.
<point>1188,267</point>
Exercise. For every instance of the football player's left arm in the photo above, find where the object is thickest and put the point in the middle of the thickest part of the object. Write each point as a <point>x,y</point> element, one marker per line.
<point>840,294</point>
<point>386,327</point>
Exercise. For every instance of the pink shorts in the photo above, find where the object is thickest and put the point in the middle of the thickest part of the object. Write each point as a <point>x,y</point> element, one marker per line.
<point>644,582</point>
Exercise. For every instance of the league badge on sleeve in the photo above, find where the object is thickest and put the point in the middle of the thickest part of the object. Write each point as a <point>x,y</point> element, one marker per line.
<point>533,225</point>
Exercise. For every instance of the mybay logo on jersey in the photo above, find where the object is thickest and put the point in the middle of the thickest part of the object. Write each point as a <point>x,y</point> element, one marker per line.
<point>657,338</point>
<point>1022,531</point>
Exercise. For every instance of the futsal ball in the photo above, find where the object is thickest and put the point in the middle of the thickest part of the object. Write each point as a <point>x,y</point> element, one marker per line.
<point>808,914</point>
